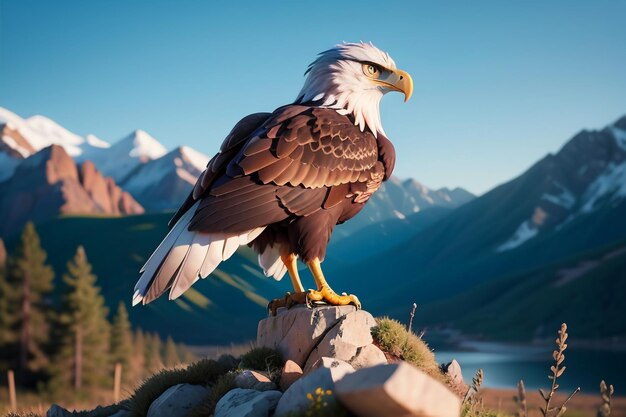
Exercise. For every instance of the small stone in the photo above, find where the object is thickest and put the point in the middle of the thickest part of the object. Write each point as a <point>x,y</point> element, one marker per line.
<point>290,374</point>
<point>368,356</point>
<point>254,380</point>
<point>398,389</point>
<point>455,378</point>
<point>178,401</point>
<point>328,372</point>
<point>241,402</point>
<point>295,332</point>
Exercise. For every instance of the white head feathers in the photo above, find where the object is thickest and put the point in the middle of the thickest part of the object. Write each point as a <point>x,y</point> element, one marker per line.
<point>336,80</point>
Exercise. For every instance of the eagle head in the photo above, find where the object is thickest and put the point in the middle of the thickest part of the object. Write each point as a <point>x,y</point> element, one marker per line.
<point>352,78</point>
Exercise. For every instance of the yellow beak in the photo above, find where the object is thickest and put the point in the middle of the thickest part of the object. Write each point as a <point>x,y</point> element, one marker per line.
<point>399,80</point>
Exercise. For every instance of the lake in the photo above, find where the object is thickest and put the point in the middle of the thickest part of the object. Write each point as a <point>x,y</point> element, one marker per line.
<point>504,365</point>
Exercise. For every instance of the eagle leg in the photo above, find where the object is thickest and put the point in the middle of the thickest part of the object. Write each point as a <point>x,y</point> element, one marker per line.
<point>300,297</point>
<point>324,292</point>
<point>291,262</point>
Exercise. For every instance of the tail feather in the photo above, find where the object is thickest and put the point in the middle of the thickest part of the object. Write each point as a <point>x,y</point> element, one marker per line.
<point>189,270</point>
<point>272,263</point>
<point>185,256</point>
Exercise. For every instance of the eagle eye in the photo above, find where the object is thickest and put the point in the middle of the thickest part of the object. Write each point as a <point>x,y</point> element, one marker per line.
<point>371,70</point>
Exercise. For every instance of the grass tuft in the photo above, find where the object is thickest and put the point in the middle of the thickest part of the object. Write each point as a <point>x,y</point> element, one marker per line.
<point>221,387</point>
<point>203,372</point>
<point>394,339</point>
<point>262,359</point>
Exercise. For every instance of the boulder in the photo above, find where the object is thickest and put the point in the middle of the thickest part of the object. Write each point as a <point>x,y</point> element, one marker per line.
<point>254,380</point>
<point>328,371</point>
<point>178,401</point>
<point>241,402</point>
<point>291,373</point>
<point>296,331</point>
<point>398,389</point>
<point>454,375</point>
<point>346,340</point>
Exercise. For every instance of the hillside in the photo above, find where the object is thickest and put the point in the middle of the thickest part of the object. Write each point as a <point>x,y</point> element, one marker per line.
<point>564,206</point>
<point>510,308</point>
<point>222,309</point>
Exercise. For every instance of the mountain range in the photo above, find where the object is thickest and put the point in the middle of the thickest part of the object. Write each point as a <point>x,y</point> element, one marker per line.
<point>157,179</point>
<point>545,247</point>
<point>565,213</point>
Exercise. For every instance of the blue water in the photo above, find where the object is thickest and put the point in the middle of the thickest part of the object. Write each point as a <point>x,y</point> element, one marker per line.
<point>503,366</point>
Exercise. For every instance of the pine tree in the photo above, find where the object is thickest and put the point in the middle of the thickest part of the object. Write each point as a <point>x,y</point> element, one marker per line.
<point>171,353</point>
<point>139,356</point>
<point>154,360</point>
<point>7,316</point>
<point>122,341</point>
<point>31,279</point>
<point>83,358</point>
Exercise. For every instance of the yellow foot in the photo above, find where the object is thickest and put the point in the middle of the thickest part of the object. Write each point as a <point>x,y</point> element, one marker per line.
<point>289,300</point>
<point>331,297</point>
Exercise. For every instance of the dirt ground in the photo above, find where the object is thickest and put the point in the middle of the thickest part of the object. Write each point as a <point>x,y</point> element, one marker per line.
<point>579,406</point>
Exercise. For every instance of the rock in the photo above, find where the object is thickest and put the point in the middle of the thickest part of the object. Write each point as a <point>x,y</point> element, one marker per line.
<point>346,340</point>
<point>398,389</point>
<point>329,371</point>
<point>241,402</point>
<point>121,413</point>
<point>296,332</point>
<point>57,411</point>
<point>291,373</point>
<point>178,401</point>
<point>254,380</point>
<point>455,378</point>
<point>367,356</point>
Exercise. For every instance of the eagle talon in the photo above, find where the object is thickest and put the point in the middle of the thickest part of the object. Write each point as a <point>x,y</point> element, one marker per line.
<point>288,301</point>
<point>327,295</point>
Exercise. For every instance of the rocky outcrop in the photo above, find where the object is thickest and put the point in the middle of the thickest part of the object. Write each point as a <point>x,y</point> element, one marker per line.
<point>49,183</point>
<point>304,335</point>
<point>364,383</point>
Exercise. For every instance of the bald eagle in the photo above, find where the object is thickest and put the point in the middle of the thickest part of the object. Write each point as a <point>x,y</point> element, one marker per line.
<point>282,180</point>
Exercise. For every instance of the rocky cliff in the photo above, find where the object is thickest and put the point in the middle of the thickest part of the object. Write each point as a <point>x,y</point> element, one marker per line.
<point>49,183</point>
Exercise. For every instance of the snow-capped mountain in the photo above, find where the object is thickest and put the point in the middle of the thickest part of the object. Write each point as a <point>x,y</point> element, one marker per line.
<point>50,183</point>
<point>134,150</point>
<point>41,132</point>
<point>400,199</point>
<point>164,183</point>
<point>586,175</point>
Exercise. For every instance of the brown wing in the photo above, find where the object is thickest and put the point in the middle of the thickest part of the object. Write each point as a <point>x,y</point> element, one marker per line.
<point>301,160</point>
<point>217,165</point>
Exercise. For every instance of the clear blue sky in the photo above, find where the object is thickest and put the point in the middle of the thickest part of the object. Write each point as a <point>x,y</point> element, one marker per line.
<point>498,84</point>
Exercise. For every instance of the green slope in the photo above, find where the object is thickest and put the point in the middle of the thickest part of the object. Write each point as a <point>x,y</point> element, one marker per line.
<point>585,291</point>
<point>221,309</point>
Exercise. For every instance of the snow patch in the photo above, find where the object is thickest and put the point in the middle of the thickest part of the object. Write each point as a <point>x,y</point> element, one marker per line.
<point>524,232</point>
<point>620,136</point>
<point>611,184</point>
<point>195,158</point>
<point>565,199</point>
